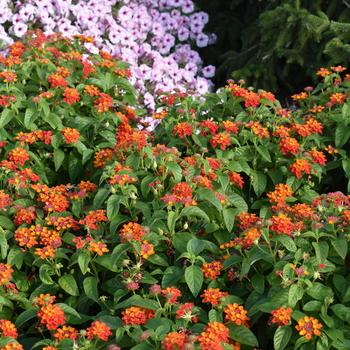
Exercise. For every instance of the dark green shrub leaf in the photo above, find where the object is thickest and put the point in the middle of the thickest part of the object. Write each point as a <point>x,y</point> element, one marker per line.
<point>194,279</point>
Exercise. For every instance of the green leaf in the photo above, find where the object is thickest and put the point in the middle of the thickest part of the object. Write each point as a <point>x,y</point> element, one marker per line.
<point>74,166</point>
<point>7,223</point>
<point>229,215</point>
<point>243,335</point>
<point>295,294</point>
<point>264,152</point>
<point>45,273</point>
<point>157,259</point>
<point>3,244</point>
<point>319,291</point>
<point>6,116</point>
<point>312,305</point>
<point>287,242</point>
<point>342,311</point>
<point>208,195</point>
<point>68,284</point>
<point>113,204</point>
<point>58,158</point>
<point>282,337</point>
<point>189,212</point>
<point>172,218</point>
<point>195,246</point>
<point>171,276</point>
<point>342,134</point>
<point>259,182</point>
<point>90,288</point>
<point>68,310</point>
<point>340,245</point>
<point>100,197</point>
<point>83,261</point>
<point>15,257</point>
<point>194,279</point>
<point>258,283</point>
<point>238,202</point>
<point>175,170</point>
<point>28,118</point>
<point>25,316</point>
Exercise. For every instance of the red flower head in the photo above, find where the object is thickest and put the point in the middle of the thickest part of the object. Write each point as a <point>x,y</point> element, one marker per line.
<point>98,330</point>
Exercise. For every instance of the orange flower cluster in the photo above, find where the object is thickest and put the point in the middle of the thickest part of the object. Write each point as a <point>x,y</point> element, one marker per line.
<point>308,327</point>
<point>214,335</point>
<point>250,237</point>
<point>121,179</point>
<point>181,193</point>
<point>174,341</point>
<point>131,231</point>
<point>337,98</point>
<point>12,346</point>
<point>208,127</point>
<point>230,126</point>
<point>289,145</point>
<point>70,135</point>
<point>5,200</point>
<point>30,237</point>
<point>71,95</point>
<point>282,316</point>
<point>136,315</point>
<point>213,296</point>
<point>212,270</point>
<point>54,198</point>
<point>318,157</point>
<point>185,311</point>
<point>247,220</point>
<point>236,314</point>
<point>66,332</point>
<point>36,135</point>
<point>323,72</point>
<point>62,223</point>
<point>182,130</point>
<point>236,179</point>
<point>203,181</point>
<point>98,247</point>
<point>18,156</point>
<point>56,80</point>
<point>8,329</point>
<point>282,224</point>
<point>98,330</point>
<point>8,76</point>
<point>104,102</point>
<point>171,294</point>
<point>93,218</point>
<point>51,316</point>
<point>147,249</point>
<point>6,100</point>
<point>301,96</point>
<point>300,167</point>
<point>92,90</point>
<point>258,129</point>
<point>5,273</point>
<point>250,98</point>
<point>102,157</point>
<point>280,194</point>
<point>221,140</point>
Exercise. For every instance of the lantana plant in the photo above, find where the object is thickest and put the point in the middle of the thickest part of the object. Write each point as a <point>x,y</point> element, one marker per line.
<point>211,232</point>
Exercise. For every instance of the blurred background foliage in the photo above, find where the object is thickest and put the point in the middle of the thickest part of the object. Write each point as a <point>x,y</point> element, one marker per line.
<point>277,44</point>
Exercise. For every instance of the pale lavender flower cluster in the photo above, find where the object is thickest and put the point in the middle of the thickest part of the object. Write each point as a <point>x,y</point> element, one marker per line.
<point>155,36</point>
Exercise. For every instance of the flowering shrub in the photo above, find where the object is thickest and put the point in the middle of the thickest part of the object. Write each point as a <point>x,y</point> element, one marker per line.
<point>155,37</point>
<point>208,233</point>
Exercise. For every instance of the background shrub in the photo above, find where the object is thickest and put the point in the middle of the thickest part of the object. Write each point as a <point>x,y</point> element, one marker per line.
<point>277,45</point>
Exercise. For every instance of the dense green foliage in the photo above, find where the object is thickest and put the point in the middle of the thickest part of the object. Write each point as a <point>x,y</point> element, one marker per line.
<point>277,44</point>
